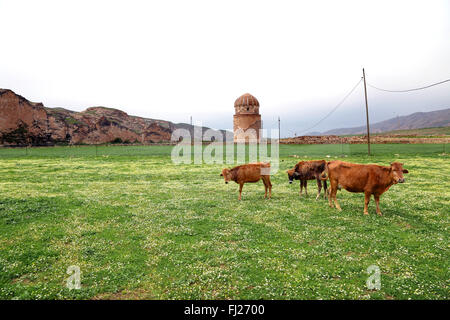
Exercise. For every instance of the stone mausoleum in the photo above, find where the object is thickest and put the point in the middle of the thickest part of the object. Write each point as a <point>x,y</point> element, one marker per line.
<point>246,117</point>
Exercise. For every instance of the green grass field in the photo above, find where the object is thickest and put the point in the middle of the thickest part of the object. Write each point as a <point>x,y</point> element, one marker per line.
<point>434,132</point>
<point>140,227</point>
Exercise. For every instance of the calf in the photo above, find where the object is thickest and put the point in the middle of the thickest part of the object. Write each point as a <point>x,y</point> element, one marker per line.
<point>292,175</point>
<point>309,170</point>
<point>252,172</point>
<point>368,178</point>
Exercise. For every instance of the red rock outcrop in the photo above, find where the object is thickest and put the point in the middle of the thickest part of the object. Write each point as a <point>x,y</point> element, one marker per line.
<point>26,123</point>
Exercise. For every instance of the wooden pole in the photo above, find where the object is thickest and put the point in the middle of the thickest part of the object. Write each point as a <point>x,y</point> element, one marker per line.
<point>193,131</point>
<point>279,132</point>
<point>367,113</point>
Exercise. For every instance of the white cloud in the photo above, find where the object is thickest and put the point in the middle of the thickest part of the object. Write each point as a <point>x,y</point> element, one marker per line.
<point>170,59</point>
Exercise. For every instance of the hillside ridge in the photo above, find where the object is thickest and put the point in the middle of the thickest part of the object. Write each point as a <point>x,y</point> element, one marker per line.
<point>416,120</point>
<point>23,122</point>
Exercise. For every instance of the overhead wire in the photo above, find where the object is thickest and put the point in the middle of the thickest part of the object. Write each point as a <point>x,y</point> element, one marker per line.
<point>334,109</point>
<point>374,87</point>
<point>408,90</point>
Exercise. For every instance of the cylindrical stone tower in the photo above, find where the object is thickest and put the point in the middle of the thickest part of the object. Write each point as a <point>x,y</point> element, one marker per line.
<point>246,117</point>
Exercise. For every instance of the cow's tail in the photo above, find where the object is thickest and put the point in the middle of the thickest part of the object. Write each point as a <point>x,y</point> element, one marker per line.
<point>324,175</point>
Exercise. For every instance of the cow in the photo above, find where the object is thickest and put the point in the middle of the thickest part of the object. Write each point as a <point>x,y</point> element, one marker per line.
<point>309,170</point>
<point>371,179</point>
<point>251,172</point>
<point>292,175</point>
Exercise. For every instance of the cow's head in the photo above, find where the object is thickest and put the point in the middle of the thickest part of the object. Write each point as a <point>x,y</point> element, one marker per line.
<point>226,174</point>
<point>291,175</point>
<point>397,172</point>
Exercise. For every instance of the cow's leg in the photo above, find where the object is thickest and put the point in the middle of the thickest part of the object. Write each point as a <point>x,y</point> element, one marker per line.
<point>377,201</point>
<point>325,192</point>
<point>301,188</point>
<point>269,185</point>
<point>306,187</point>
<point>240,190</point>
<point>265,186</point>
<point>319,187</point>
<point>366,202</point>
<point>333,185</point>
<point>336,203</point>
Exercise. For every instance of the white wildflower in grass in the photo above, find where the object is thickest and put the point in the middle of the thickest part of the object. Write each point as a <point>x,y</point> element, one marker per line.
<point>139,226</point>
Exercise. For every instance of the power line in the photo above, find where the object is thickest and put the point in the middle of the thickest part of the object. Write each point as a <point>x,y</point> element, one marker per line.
<point>415,89</point>
<point>334,109</point>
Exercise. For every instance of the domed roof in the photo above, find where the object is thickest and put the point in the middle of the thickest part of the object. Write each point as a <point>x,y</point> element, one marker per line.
<point>246,100</point>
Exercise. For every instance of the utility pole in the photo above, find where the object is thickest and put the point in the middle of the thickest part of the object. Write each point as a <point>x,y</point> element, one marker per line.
<point>279,132</point>
<point>367,113</point>
<point>193,132</point>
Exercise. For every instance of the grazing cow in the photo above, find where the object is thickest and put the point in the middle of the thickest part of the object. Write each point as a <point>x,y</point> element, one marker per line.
<point>251,172</point>
<point>309,170</point>
<point>367,178</point>
<point>292,175</point>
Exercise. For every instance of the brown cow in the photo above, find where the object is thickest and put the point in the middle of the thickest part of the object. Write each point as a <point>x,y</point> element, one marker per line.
<point>251,172</point>
<point>367,178</point>
<point>309,170</point>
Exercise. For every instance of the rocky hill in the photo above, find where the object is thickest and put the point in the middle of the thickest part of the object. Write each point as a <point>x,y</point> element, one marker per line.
<point>439,118</point>
<point>27,123</point>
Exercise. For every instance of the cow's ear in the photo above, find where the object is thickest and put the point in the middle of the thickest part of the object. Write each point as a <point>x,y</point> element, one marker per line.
<point>405,171</point>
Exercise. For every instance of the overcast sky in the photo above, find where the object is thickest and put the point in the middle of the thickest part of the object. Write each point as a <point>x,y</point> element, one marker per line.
<point>172,59</point>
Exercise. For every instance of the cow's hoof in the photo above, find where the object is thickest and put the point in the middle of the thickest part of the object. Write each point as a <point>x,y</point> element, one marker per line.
<point>379,213</point>
<point>366,213</point>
